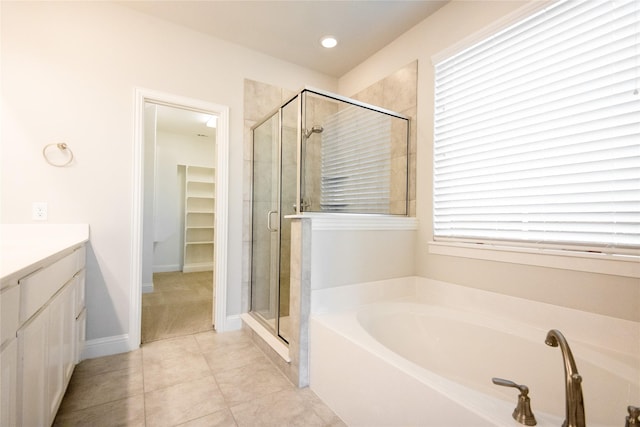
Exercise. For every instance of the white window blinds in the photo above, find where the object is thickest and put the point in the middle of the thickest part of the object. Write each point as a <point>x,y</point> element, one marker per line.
<point>537,131</point>
<point>356,168</point>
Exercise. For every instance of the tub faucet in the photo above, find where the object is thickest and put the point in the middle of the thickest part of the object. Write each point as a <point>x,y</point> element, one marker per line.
<point>574,403</point>
<point>632,418</point>
<point>522,413</point>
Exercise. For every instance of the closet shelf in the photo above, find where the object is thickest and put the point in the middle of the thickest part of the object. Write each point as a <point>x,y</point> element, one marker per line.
<point>199,218</point>
<point>200,196</point>
<point>202,211</point>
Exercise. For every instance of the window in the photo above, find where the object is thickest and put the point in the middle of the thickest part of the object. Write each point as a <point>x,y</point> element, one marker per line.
<point>537,132</point>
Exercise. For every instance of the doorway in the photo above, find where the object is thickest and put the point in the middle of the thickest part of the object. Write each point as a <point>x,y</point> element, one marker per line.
<point>178,224</point>
<point>142,274</point>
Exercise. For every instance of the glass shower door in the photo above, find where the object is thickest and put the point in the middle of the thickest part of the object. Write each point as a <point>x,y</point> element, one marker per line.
<point>265,235</point>
<point>275,190</point>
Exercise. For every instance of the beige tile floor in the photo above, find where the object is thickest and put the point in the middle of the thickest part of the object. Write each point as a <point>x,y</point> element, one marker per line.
<point>204,379</point>
<point>180,304</point>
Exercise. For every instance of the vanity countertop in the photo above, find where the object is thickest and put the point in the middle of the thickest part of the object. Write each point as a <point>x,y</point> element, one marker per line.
<point>27,247</point>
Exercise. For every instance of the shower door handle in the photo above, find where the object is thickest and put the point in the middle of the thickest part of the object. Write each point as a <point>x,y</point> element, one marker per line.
<point>269,227</point>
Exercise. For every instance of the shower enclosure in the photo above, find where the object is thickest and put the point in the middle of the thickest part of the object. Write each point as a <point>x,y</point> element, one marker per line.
<point>318,153</point>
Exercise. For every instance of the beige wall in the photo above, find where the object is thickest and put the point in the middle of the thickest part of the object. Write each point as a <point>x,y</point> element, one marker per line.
<point>607,294</point>
<point>69,71</point>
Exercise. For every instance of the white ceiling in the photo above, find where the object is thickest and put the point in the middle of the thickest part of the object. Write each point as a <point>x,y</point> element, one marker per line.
<point>291,30</point>
<point>184,122</point>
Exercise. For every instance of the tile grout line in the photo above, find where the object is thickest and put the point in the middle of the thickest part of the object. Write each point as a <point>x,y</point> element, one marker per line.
<point>213,375</point>
<point>226,407</point>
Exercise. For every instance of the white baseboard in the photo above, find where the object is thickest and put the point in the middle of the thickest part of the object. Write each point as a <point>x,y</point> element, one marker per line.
<point>106,346</point>
<point>147,288</point>
<point>232,323</point>
<point>166,268</point>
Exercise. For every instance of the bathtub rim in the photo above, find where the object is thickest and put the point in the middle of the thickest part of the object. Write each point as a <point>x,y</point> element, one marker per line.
<point>571,322</point>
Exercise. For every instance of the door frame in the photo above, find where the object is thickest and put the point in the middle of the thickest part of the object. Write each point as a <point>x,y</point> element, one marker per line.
<point>274,264</point>
<point>143,96</point>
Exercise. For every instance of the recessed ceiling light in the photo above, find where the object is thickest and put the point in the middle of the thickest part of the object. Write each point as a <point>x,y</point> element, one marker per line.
<point>328,42</point>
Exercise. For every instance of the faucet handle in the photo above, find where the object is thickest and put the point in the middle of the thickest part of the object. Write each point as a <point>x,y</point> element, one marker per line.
<point>632,418</point>
<point>524,390</point>
<point>522,413</point>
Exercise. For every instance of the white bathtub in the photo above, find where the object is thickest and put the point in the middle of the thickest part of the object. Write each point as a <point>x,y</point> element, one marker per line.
<point>423,353</point>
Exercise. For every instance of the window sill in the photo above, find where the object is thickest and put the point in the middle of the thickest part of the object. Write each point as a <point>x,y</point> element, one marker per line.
<point>617,265</point>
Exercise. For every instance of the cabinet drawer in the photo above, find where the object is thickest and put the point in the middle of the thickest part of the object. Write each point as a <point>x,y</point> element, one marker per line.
<point>37,288</point>
<point>82,256</point>
<point>9,307</point>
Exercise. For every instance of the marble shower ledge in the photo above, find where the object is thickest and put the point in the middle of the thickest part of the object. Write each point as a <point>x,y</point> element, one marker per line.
<point>26,247</point>
<point>337,221</point>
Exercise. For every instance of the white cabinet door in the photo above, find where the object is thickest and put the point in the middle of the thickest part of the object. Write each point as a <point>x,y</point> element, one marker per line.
<point>8,384</point>
<point>80,291</point>
<point>61,352</point>
<point>80,316</point>
<point>54,361</point>
<point>33,342</point>
<point>68,335</point>
<point>9,313</point>
<point>81,328</point>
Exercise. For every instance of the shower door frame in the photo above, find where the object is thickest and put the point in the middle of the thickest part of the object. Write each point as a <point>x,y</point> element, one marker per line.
<point>274,272</point>
<point>300,98</point>
<point>275,276</point>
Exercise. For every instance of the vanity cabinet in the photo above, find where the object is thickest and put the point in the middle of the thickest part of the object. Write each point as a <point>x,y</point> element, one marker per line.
<point>43,338</point>
<point>8,382</point>
<point>61,349</point>
<point>80,315</point>
<point>199,219</point>
<point>9,309</point>
<point>33,343</point>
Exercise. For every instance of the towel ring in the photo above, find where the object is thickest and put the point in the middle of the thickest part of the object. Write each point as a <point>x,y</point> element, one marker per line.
<point>63,147</point>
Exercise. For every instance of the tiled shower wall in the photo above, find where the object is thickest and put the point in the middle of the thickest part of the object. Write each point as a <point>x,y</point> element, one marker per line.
<point>399,92</point>
<point>259,100</point>
<point>317,109</point>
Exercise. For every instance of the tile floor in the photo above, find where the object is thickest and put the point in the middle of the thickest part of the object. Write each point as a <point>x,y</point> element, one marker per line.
<point>180,304</point>
<point>204,379</point>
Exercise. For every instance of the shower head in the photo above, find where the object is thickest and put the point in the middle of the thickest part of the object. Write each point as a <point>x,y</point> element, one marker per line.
<point>314,129</point>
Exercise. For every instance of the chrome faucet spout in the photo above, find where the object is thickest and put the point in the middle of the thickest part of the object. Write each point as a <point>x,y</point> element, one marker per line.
<point>574,403</point>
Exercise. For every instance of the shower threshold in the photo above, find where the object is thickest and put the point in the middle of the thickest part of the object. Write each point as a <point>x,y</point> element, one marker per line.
<point>278,346</point>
